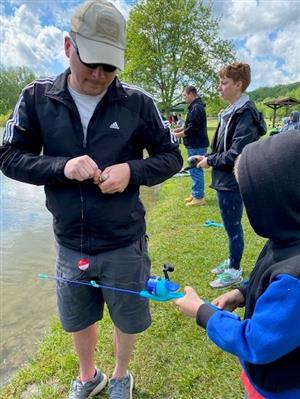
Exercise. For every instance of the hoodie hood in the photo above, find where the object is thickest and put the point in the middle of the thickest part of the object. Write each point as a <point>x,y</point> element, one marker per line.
<point>258,117</point>
<point>269,181</point>
<point>234,107</point>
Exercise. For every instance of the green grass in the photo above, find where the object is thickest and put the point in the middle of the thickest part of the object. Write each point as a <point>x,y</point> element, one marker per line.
<point>173,359</point>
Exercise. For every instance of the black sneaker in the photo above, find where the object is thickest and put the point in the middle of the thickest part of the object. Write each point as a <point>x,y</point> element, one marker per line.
<point>89,388</point>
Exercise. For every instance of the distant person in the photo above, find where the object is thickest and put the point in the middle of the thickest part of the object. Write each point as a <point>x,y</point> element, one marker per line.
<point>179,124</point>
<point>285,123</point>
<point>240,124</point>
<point>170,119</point>
<point>195,139</point>
<point>180,121</point>
<point>267,340</point>
<point>291,123</point>
<point>82,135</point>
<point>276,130</point>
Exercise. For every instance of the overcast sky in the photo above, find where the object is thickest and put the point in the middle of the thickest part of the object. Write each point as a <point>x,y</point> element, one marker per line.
<point>265,34</point>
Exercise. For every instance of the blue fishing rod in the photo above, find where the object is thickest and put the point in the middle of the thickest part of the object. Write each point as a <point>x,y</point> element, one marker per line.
<point>160,289</point>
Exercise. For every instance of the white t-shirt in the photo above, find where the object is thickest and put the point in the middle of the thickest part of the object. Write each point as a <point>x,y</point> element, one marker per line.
<point>86,106</point>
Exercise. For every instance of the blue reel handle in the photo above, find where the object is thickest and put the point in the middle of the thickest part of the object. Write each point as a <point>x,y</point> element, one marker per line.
<point>171,286</point>
<point>169,297</point>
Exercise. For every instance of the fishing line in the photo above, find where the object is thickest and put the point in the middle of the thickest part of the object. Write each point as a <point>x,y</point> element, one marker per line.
<point>91,283</point>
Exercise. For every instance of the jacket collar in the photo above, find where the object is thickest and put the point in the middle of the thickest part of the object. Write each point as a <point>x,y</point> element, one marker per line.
<point>59,89</point>
<point>194,102</point>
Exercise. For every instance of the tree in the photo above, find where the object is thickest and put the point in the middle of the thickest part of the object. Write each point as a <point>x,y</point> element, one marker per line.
<point>173,43</point>
<point>214,105</point>
<point>12,81</point>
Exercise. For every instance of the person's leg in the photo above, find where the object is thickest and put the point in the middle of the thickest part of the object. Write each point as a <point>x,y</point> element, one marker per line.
<point>80,307</point>
<point>231,207</point>
<point>126,268</point>
<point>197,174</point>
<point>124,345</point>
<point>85,344</point>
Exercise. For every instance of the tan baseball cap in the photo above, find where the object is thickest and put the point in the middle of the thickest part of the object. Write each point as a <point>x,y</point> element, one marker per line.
<point>100,33</point>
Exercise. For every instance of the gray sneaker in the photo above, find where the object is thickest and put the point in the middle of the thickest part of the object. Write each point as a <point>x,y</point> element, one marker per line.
<point>121,388</point>
<point>90,388</point>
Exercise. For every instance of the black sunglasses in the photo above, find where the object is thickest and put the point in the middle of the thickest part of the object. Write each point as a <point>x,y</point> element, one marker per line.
<point>106,67</point>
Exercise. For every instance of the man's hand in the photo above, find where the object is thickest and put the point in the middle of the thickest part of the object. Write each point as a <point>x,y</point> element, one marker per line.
<point>81,168</point>
<point>178,130</point>
<point>179,135</point>
<point>229,301</point>
<point>116,178</point>
<point>190,303</point>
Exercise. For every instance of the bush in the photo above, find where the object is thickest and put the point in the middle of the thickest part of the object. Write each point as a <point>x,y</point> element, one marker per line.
<point>4,118</point>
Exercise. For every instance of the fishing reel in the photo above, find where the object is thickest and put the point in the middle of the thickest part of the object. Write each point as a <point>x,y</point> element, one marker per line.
<point>161,288</point>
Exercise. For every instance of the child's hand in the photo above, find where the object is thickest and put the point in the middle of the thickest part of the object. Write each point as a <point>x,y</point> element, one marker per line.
<point>190,303</point>
<point>229,301</point>
<point>203,163</point>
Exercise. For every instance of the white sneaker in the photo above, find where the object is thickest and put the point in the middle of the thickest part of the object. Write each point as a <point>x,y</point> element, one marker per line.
<point>221,267</point>
<point>229,277</point>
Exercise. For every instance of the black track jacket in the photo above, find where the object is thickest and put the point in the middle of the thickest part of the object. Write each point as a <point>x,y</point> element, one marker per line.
<point>45,131</point>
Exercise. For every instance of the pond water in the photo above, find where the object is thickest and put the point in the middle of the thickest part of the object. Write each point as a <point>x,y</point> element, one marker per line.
<point>26,249</point>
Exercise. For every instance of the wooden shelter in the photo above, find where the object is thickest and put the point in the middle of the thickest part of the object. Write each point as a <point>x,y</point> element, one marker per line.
<point>283,102</point>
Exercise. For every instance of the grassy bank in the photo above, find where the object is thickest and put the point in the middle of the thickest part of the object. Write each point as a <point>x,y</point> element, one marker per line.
<point>173,359</point>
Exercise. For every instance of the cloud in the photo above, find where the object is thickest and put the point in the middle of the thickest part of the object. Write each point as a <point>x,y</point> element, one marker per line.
<point>265,34</point>
<point>287,46</point>
<point>248,17</point>
<point>259,44</point>
<point>25,42</point>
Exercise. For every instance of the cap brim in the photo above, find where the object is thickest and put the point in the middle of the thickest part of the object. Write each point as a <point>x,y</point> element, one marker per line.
<point>93,52</point>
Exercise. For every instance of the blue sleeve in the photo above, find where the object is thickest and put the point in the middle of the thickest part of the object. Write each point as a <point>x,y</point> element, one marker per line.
<point>273,330</point>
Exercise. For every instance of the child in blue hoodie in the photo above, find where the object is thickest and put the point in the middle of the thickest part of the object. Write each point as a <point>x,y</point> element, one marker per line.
<point>267,340</point>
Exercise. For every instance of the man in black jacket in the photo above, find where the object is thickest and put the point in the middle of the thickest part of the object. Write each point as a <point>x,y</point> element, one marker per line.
<point>82,135</point>
<point>195,139</point>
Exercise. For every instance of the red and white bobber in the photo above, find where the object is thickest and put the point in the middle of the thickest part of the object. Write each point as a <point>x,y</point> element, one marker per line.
<point>83,264</point>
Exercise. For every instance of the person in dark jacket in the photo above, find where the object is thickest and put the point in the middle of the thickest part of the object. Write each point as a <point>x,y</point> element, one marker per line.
<point>82,135</point>
<point>240,124</point>
<point>267,341</point>
<point>195,139</point>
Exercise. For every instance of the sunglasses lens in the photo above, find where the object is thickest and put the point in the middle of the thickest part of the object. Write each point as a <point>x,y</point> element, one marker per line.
<point>91,66</point>
<point>108,68</point>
